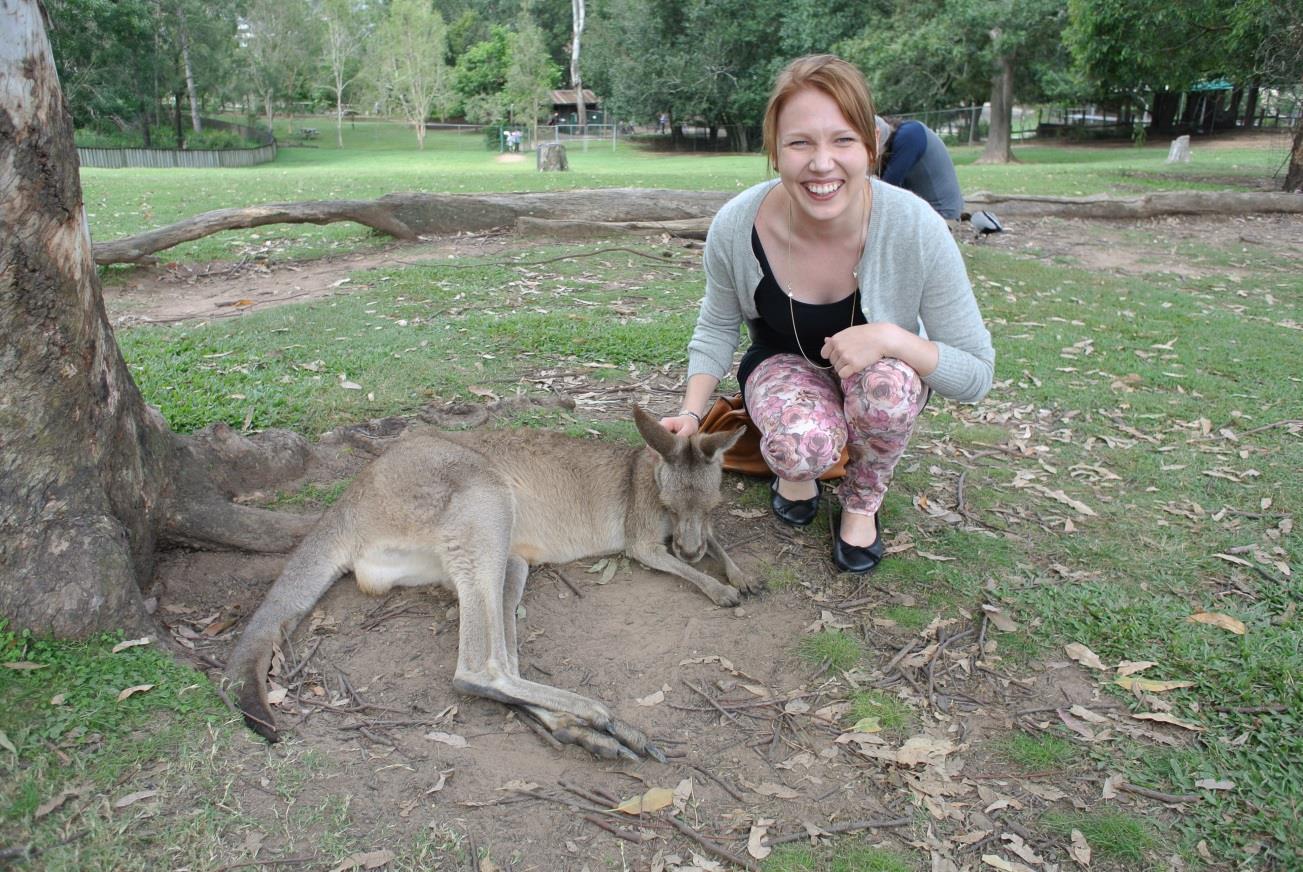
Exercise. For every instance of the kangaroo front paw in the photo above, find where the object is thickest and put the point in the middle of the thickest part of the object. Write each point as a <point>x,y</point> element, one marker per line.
<point>723,595</point>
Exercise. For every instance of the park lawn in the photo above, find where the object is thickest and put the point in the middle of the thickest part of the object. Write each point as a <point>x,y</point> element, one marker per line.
<point>1155,403</point>
<point>381,158</point>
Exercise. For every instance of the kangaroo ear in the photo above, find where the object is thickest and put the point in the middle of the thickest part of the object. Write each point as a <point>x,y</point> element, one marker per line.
<point>712,445</point>
<point>662,441</point>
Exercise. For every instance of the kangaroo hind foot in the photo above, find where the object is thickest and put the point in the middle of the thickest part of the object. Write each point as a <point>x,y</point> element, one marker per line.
<point>619,741</point>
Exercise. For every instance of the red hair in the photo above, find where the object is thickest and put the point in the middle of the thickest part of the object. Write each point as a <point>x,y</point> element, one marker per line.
<point>840,80</point>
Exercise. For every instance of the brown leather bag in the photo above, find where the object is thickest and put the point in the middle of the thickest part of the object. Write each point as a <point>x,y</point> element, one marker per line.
<point>744,457</point>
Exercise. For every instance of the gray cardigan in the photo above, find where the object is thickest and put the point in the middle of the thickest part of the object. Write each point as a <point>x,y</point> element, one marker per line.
<point>911,275</point>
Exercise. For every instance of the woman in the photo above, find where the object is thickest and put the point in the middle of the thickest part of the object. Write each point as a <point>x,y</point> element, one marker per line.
<point>857,303</point>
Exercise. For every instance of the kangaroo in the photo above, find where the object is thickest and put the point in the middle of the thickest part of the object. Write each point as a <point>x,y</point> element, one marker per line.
<point>471,511</point>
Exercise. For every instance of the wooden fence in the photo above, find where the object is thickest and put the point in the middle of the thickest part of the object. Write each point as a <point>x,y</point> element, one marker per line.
<point>117,158</point>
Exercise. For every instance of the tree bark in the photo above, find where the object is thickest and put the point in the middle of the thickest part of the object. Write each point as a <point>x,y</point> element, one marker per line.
<point>91,478</point>
<point>81,455</point>
<point>576,77</point>
<point>1294,175</point>
<point>1251,106</point>
<point>1161,117</point>
<point>191,93</point>
<point>998,148</point>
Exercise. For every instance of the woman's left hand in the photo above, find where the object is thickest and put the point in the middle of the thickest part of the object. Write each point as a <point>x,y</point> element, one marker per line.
<point>859,347</point>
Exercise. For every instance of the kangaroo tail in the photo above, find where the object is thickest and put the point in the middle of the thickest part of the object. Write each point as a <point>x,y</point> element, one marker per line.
<point>308,574</point>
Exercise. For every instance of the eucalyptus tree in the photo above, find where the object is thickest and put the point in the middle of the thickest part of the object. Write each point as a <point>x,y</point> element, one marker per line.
<point>347,24</point>
<point>406,62</point>
<point>283,46</point>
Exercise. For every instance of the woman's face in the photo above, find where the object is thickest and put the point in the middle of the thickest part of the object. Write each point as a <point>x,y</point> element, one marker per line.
<point>822,160</point>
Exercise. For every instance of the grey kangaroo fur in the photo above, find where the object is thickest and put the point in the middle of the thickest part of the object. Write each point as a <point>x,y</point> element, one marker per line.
<point>471,511</point>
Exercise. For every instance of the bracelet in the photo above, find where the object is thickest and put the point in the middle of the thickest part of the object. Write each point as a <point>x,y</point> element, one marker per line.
<point>695,416</point>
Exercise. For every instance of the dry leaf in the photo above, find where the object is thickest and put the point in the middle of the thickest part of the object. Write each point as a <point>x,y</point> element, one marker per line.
<point>367,860</point>
<point>682,793</point>
<point>1149,685</point>
<point>1076,505</point>
<point>1087,715</point>
<point>867,725</point>
<point>780,791</point>
<point>1111,786</point>
<point>997,862</point>
<point>937,557</point>
<point>59,699</point>
<point>1165,718</point>
<point>6,744</point>
<point>63,796</point>
<point>1131,667</point>
<point>996,616</point>
<point>478,391</point>
<point>450,739</point>
<point>131,643</point>
<point>653,800</point>
<point>1217,619</point>
<point>132,691</point>
<point>25,664</point>
<point>1080,849</point>
<point>652,698</point>
<point>755,840</point>
<point>1084,656</point>
<point>1215,784</point>
<point>348,386</point>
<point>923,749</point>
<point>132,798</point>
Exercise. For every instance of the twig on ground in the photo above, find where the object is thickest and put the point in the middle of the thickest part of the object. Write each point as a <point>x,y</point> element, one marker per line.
<point>707,697</point>
<point>285,861</point>
<point>712,847</point>
<point>936,655</point>
<point>1252,709</point>
<point>298,667</point>
<point>842,828</point>
<point>560,576</point>
<point>1158,794</point>
<point>618,833</point>
<point>721,782</point>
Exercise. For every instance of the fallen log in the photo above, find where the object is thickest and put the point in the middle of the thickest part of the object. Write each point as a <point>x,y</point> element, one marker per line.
<point>405,216</point>
<point>1145,206</point>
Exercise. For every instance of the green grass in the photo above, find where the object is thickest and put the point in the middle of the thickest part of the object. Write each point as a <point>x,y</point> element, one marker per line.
<point>832,647</point>
<point>846,856</point>
<point>1111,835</point>
<point>409,336</point>
<point>1041,752</point>
<point>894,716</point>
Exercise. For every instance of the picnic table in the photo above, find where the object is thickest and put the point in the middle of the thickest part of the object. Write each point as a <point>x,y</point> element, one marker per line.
<point>308,132</point>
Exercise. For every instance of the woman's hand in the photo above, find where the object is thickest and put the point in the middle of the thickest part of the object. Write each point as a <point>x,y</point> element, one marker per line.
<point>680,425</point>
<point>859,347</point>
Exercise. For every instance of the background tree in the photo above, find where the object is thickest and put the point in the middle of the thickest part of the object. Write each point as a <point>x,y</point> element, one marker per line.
<point>578,14</point>
<point>480,76</point>
<point>104,51</point>
<point>282,49</point>
<point>407,62</point>
<point>346,26</point>
<point>531,75</point>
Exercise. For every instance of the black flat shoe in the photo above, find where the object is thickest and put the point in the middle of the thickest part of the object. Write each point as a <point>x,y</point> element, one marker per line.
<point>798,513</point>
<point>856,558</point>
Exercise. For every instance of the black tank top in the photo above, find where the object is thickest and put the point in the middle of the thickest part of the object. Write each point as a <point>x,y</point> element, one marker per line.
<point>772,332</point>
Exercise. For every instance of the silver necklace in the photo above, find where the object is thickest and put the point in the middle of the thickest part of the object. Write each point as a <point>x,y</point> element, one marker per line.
<point>855,272</point>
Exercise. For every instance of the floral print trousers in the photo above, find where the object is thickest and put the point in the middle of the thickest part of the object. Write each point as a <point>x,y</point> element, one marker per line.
<point>806,415</point>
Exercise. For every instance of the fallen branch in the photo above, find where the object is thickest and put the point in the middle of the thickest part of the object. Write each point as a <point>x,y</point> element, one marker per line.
<point>1146,206</point>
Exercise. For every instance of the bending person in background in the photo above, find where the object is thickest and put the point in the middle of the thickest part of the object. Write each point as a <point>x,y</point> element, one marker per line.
<point>913,157</point>
<point>857,302</point>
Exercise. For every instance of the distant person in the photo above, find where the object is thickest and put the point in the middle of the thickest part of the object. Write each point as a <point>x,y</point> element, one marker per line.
<point>554,120</point>
<point>663,123</point>
<point>915,158</point>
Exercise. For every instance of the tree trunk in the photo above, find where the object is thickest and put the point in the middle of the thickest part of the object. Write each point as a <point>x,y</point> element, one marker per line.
<point>91,479</point>
<point>1102,206</point>
<point>576,78</point>
<point>998,148</point>
<point>1164,112</point>
<point>339,111</point>
<point>189,73</point>
<point>1251,106</point>
<point>1294,175</point>
<point>76,523</point>
<point>176,120</point>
